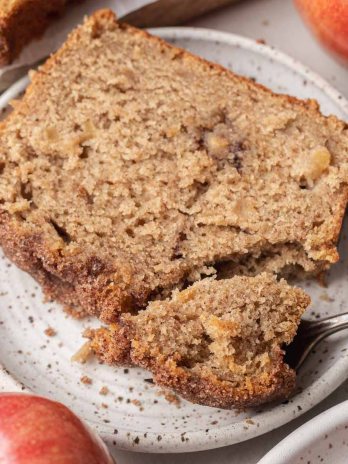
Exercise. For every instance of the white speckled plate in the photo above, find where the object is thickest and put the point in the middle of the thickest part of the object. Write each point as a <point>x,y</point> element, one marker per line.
<point>323,439</point>
<point>134,414</point>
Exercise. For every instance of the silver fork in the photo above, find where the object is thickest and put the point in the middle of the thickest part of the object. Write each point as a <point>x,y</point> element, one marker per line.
<point>309,334</point>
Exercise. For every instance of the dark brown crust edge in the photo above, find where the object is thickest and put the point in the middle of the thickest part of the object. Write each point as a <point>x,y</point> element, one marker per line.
<point>279,385</point>
<point>84,286</point>
<point>113,346</point>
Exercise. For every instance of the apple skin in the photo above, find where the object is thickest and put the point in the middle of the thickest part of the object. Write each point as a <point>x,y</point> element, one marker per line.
<point>329,21</point>
<point>36,430</point>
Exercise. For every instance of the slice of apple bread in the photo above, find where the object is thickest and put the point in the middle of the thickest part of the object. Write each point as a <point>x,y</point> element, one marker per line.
<point>218,343</point>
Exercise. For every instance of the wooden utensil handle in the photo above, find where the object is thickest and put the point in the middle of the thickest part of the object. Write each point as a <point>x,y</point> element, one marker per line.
<point>172,12</point>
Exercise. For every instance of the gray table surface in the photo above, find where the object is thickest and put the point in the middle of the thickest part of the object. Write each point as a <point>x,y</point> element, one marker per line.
<point>278,23</point>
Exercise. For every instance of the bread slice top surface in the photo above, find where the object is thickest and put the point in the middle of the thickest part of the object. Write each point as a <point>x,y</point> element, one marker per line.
<point>133,163</point>
<point>218,343</point>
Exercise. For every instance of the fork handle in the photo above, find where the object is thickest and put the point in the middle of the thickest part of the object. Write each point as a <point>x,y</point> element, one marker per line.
<point>330,325</point>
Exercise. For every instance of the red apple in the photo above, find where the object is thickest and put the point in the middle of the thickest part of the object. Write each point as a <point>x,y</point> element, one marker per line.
<point>329,21</point>
<point>35,430</point>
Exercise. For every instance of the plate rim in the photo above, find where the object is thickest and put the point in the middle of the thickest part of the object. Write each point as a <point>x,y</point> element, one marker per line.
<point>308,433</point>
<point>283,413</point>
